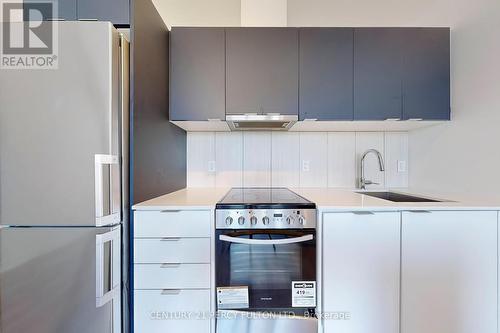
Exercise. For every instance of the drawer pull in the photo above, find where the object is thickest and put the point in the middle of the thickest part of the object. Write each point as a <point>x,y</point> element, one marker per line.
<point>363,213</point>
<point>169,265</point>
<point>170,211</point>
<point>171,239</point>
<point>170,291</point>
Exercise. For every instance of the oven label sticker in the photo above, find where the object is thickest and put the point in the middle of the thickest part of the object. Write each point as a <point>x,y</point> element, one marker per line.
<point>303,294</point>
<point>232,298</point>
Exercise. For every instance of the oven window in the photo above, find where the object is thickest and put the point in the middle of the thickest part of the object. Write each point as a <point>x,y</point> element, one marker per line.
<point>265,266</point>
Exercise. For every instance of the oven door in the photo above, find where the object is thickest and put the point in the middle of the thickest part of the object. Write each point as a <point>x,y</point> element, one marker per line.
<point>267,262</point>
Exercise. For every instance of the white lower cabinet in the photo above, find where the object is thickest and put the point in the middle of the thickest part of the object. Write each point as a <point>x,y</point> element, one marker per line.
<point>172,276</point>
<point>173,271</point>
<point>361,272</point>
<point>449,272</point>
<point>160,311</point>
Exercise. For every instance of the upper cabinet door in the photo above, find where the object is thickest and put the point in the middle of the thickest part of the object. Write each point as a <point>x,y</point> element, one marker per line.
<point>197,72</point>
<point>378,73</point>
<point>66,10</point>
<point>426,87</point>
<point>326,74</point>
<point>115,11</point>
<point>262,70</point>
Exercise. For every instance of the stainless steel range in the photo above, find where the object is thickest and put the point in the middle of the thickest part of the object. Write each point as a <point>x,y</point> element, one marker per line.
<point>264,208</point>
<point>265,261</point>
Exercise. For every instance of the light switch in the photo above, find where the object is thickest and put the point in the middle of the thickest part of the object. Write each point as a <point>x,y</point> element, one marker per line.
<point>211,166</point>
<point>305,166</point>
<point>401,166</point>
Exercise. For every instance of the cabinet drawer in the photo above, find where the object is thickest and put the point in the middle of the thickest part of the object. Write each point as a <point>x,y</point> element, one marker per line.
<point>171,276</point>
<point>184,223</point>
<point>172,250</point>
<point>153,310</point>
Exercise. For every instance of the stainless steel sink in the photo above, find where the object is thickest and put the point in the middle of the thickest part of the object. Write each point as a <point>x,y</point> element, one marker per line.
<point>398,197</point>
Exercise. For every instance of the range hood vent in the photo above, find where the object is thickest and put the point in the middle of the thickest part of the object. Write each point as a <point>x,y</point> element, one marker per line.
<point>258,122</point>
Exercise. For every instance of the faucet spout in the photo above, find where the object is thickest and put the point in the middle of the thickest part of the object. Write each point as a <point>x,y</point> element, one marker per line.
<point>362,181</point>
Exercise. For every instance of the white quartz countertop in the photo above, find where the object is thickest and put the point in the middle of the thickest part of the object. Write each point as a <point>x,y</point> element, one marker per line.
<point>187,198</point>
<point>326,199</point>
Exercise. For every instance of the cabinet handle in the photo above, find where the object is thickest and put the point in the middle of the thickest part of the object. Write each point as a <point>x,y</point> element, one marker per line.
<point>420,211</point>
<point>170,265</point>
<point>170,292</point>
<point>170,211</point>
<point>392,119</point>
<point>415,119</point>
<point>310,119</point>
<point>170,239</point>
<point>363,213</point>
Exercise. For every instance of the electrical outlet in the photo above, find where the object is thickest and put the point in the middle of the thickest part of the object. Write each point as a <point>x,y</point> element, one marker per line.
<point>305,166</point>
<point>401,166</point>
<point>211,166</point>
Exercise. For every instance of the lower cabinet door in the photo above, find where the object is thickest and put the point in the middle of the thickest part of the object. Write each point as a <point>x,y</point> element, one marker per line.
<point>172,276</point>
<point>361,265</point>
<point>449,272</point>
<point>160,311</point>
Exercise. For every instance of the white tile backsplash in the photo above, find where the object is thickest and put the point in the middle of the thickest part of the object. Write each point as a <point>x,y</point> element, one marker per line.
<point>200,158</point>
<point>294,159</point>
<point>313,159</point>
<point>365,141</point>
<point>285,159</point>
<point>256,159</point>
<point>228,159</point>
<point>342,159</point>
<point>396,154</point>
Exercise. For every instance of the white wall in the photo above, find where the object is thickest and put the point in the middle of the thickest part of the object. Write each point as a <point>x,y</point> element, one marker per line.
<point>206,13</point>
<point>293,159</point>
<point>464,155</point>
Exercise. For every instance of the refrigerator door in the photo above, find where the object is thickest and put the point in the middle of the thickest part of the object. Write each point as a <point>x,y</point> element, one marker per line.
<point>60,280</point>
<point>59,134</point>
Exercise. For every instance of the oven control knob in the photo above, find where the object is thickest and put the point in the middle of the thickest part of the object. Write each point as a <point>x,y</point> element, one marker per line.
<point>289,220</point>
<point>301,220</point>
<point>253,220</point>
<point>265,220</point>
<point>229,220</point>
<point>241,220</point>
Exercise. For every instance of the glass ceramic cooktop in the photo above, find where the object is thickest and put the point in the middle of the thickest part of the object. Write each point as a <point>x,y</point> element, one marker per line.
<point>263,198</point>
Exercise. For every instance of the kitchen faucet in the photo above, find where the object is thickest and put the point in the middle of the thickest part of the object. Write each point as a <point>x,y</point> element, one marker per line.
<point>362,181</point>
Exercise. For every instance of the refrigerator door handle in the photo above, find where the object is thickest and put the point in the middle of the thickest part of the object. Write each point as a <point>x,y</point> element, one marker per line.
<point>108,266</point>
<point>107,190</point>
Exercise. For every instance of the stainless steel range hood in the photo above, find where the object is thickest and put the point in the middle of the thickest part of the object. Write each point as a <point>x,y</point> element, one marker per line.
<point>260,122</point>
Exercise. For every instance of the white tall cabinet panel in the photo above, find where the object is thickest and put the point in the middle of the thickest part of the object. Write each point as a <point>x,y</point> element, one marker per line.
<point>361,271</point>
<point>449,272</point>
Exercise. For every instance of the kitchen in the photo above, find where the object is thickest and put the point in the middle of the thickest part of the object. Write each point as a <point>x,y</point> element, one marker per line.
<point>387,134</point>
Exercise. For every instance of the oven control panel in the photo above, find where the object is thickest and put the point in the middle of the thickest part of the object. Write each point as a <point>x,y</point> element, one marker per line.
<point>265,218</point>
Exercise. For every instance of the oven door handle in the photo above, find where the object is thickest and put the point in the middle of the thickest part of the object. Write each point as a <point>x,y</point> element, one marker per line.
<point>294,240</point>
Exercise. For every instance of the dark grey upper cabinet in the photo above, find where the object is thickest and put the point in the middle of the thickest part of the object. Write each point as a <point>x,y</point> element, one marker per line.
<point>115,11</point>
<point>66,9</point>
<point>378,69</point>
<point>326,74</point>
<point>426,81</point>
<point>262,70</point>
<point>197,72</point>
